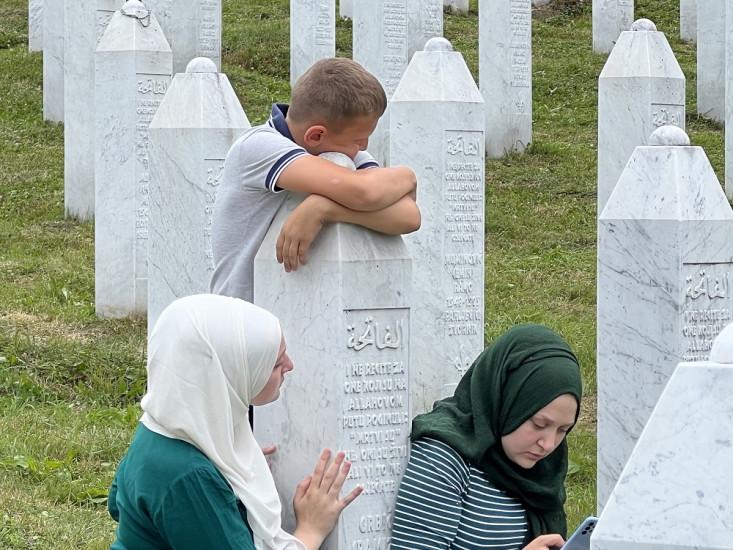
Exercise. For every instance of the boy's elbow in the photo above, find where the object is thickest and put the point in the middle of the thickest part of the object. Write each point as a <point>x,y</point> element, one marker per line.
<point>413,221</point>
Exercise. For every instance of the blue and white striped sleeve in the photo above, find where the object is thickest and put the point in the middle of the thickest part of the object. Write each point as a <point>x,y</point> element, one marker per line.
<point>262,158</point>
<point>364,160</point>
<point>429,502</point>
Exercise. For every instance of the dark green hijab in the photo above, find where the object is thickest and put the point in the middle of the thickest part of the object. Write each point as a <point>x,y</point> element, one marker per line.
<point>521,372</point>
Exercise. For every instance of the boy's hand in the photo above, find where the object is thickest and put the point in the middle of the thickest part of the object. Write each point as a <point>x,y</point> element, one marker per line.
<point>545,542</point>
<point>299,230</point>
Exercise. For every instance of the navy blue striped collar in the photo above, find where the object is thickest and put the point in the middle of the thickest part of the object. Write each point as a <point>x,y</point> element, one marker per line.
<point>277,119</point>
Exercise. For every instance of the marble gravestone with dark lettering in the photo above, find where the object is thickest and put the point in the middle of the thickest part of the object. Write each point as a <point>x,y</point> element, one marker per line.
<point>456,6</point>
<point>35,25</point>
<point>711,59</point>
<point>610,19</point>
<point>424,21</point>
<point>312,34</point>
<point>505,74</point>
<point>346,319</point>
<point>195,125</point>
<point>675,490</point>
<point>53,60</point>
<point>665,285</point>
<point>84,23</point>
<point>380,44</point>
<point>133,70</point>
<point>688,20</point>
<point>641,87</point>
<point>438,100</point>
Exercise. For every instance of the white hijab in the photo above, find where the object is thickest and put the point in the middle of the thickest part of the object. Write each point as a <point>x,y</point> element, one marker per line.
<point>208,356</point>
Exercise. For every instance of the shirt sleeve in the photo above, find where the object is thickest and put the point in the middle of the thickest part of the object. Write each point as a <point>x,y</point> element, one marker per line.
<point>262,158</point>
<point>429,502</point>
<point>200,511</point>
<point>364,160</point>
<point>112,508</point>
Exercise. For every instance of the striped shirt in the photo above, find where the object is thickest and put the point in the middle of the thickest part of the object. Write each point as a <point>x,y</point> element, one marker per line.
<point>445,502</point>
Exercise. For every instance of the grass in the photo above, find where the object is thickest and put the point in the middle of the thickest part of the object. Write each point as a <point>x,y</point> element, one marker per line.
<point>70,383</point>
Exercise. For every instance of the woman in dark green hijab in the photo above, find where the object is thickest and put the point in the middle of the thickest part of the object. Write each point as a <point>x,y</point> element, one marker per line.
<point>488,465</point>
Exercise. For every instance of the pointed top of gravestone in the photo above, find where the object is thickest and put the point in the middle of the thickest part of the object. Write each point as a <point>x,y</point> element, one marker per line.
<point>643,25</point>
<point>201,65</point>
<point>642,54</point>
<point>669,136</point>
<point>438,44</point>
<point>136,9</point>
<point>339,158</point>
<point>722,350</point>
<point>134,28</point>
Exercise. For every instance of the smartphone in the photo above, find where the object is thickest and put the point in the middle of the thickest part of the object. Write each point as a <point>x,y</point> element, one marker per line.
<point>580,540</point>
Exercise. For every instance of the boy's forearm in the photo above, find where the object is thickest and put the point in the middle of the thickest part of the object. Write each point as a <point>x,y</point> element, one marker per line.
<point>387,186</point>
<point>398,218</point>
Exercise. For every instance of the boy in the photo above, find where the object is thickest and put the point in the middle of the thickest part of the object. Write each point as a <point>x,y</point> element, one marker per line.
<point>334,106</point>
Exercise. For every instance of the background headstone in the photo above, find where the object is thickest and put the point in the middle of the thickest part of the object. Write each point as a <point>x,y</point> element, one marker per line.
<point>194,127</point>
<point>35,25</point>
<point>438,100</point>
<point>665,286</point>
<point>133,72</point>
<point>424,21</point>
<point>641,87</point>
<point>711,17</point>
<point>505,74</point>
<point>84,23</point>
<point>729,105</point>
<point>674,491</point>
<point>346,8</point>
<point>312,34</point>
<point>345,317</point>
<point>688,20</point>
<point>53,60</point>
<point>610,18</point>
<point>456,6</point>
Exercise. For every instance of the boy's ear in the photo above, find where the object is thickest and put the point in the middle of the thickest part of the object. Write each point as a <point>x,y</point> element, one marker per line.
<point>314,135</point>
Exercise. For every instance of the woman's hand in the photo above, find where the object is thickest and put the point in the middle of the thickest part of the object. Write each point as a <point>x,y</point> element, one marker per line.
<point>317,501</point>
<point>545,542</point>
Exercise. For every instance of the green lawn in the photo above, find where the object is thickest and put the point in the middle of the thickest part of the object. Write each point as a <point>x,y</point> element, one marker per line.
<point>70,383</point>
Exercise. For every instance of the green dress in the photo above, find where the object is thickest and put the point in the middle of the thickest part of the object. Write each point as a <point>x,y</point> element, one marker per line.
<point>168,495</point>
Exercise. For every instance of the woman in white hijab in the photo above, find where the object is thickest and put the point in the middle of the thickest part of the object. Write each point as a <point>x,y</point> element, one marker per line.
<point>194,477</point>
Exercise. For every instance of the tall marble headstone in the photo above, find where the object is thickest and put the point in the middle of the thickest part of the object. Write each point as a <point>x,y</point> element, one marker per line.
<point>729,105</point>
<point>505,74</point>
<point>424,21</point>
<point>133,71</point>
<point>711,17</point>
<point>35,25</point>
<point>194,127</point>
<point>674,491</point>
<point>380,44</point>
<point>641,87</point>
<point>610,19</point>
<point>312,34</point>
<point>688,20</point>
<point>346,319</point>
<point>346,8</point>
<point>192,28</point>
<point>84,23</point>
<point>456,6</point>
<point>665,285</point>
<point>53,60</point>
<point>438,100</point>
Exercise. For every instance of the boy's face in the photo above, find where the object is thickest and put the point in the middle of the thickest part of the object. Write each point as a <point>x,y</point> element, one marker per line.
<point>349,140</point>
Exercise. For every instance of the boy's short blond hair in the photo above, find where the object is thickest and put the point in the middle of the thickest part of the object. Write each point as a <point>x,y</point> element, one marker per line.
<point>335,90</point>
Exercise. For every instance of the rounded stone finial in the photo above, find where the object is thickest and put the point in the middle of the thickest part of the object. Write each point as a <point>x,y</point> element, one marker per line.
<point>643,25</point>
<point>136,9</point>
<point>438,44</point>
<point>339,158</point>
<point>669,135</point>
<point>722,350</point>
<point>201,65</point>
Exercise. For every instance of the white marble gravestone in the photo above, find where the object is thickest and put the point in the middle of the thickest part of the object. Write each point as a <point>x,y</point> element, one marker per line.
<point>424,21</point>
<point>688,20</point>
<point>675,490</point>
<point>346,8</point>
<point>194,127</point>
<point>729,104</point>
<point>35,25</point>
<point>380,44</point>
<point>505,74</point>
<point>610,19</point>
<point>665,285</point>
<point>346,320</point>
<point>641,87</point>
<point>456,6</point>
<point>53,60</point>
<point>84,23</point>
<point>711,17</point>
<point>133,71</point>
<point>438,100</point>
<point>312,34</point>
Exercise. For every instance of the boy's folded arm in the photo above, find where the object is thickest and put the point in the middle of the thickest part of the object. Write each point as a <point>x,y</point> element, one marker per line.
<point>363,190</point>
<point>398,218</point>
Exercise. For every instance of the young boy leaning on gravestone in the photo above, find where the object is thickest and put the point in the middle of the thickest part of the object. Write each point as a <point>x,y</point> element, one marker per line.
<point>334,106</point>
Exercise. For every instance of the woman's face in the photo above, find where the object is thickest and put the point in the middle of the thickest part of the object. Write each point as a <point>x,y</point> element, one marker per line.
<point>540,434</point>
<point>271,391</point>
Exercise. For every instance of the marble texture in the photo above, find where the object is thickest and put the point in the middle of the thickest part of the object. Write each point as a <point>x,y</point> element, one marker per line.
<point>84,23</point>
<point>674,492</point>
<point>438,100</point>
<point>133,65</point>
<point>456,6</point>
<point>192,28</point>
<point>729,105</point>
<point>424,21</point>
<point>380,44</point>
<point>688,20</point>
<point>641,87</point>
<point>312,34</point>
<point>610,19</point>
<point>665,268</point>
<point>346,320</point>
<point>346,8</point>
<point>711,55</point>
<point>53,60</point>
<point>35,25</point>
<point>195,125</point>
<point>505,74</point>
